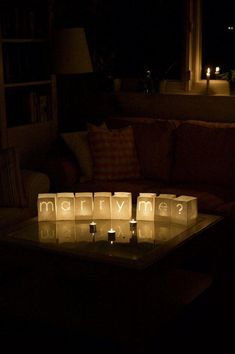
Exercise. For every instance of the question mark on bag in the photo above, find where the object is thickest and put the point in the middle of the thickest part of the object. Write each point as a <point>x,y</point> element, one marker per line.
<point>179,208</point>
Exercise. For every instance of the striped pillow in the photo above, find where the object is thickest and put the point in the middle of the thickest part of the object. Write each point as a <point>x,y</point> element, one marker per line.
<point>11,185</point>
<point>113,152</point>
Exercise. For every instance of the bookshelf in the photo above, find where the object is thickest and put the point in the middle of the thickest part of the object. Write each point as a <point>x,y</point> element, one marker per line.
<point>27,87</point>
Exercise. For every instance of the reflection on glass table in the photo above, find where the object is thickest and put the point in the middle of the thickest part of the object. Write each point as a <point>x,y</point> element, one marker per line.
<point>118,241</point>
<point>77,231</point>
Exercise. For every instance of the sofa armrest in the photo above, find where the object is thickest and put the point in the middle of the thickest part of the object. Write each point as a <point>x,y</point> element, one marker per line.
<point>34,183</point>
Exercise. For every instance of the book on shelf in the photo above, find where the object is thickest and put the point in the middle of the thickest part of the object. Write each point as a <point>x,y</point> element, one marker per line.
<point>43,108</point>
<point>39,107</point>
<point>23,63</point>
<point>33,106</point>
<point>20,22</point>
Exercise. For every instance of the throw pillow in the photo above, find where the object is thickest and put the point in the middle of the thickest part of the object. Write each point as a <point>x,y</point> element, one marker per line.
<point>78,144</point>
<point>12,192</point>
<point>113,152</point>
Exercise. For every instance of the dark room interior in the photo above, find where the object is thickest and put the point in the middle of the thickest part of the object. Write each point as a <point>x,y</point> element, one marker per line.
<point>117,178</point>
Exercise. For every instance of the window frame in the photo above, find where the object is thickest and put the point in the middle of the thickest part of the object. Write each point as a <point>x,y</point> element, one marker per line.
<point>191,82</point>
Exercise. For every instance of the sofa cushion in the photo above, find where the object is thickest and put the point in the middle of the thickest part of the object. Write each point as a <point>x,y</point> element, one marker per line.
<point>154,149</point>
<point>134,186</point>
<point>154,136</point>
<point>113,152</point>
<point>204,155</point>
<point>117,122</point>
<point>79,145</point>
<point>12,192</point>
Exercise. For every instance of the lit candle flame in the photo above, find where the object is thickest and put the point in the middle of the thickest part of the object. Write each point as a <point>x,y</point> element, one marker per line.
<point>208,72</point>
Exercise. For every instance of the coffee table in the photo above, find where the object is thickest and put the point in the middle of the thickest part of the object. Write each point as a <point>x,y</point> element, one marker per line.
<point>138,248</point>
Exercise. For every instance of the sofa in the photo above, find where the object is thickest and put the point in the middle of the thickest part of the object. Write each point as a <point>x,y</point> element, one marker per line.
<point>168,156</point>
<point>19,189</point>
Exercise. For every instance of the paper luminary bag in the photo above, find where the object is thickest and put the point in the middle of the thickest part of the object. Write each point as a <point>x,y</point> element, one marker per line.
<point>102,205</point>
<point>46,205</point>
<point>65,206</point>
<point>184,210</point>
<point>146,206</point>
<point>163,207</point>
<point>121,206</point>
<point>83,206</point>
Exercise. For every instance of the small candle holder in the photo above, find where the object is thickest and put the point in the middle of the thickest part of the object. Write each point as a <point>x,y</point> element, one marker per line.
<point>92,227</point>
<point>133,239</point>
<point>133,225</point>
<point>111,235</point>
<point>208,74</point>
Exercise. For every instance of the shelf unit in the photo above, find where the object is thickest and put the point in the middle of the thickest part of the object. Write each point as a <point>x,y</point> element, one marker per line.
<point>27,87</point>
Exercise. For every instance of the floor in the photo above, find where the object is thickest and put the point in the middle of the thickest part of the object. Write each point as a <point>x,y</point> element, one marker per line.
<point>33,302</point>
<point>207,326</point>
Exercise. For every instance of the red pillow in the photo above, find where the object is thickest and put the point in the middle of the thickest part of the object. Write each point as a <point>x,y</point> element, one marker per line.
<point>113,152</point>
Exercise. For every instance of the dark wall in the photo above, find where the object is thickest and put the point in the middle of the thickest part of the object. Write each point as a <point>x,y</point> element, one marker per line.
<point>82,99</point>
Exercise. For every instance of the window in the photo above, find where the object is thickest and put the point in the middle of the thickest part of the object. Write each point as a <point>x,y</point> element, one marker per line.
<point>130,36</point>
<point>218,25</point>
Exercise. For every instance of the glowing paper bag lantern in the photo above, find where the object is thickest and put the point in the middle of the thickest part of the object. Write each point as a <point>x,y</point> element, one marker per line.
<point>47,232</point>
<point>163,206</point>
<point>46,205</point>
<point>121,206</point>
<point>65,231</point>
<point>65,206</point>
<point>184,210</point>
<point>83,206</point>
<point>146,206</point>
<point>102,205</point>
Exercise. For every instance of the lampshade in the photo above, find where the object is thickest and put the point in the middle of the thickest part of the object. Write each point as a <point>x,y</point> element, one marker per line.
<point>71,53</point>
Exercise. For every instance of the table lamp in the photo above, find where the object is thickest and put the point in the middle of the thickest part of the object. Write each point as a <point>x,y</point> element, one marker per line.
<point>71,52</point>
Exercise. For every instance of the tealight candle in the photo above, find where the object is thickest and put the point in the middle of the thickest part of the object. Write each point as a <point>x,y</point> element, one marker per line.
<point>208,74</point>
<point>133,224</point>
<point>111,235</point>
<point>92,227</point>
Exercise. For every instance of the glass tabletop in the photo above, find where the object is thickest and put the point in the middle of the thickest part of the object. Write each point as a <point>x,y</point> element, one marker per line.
<point>137,246</point>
